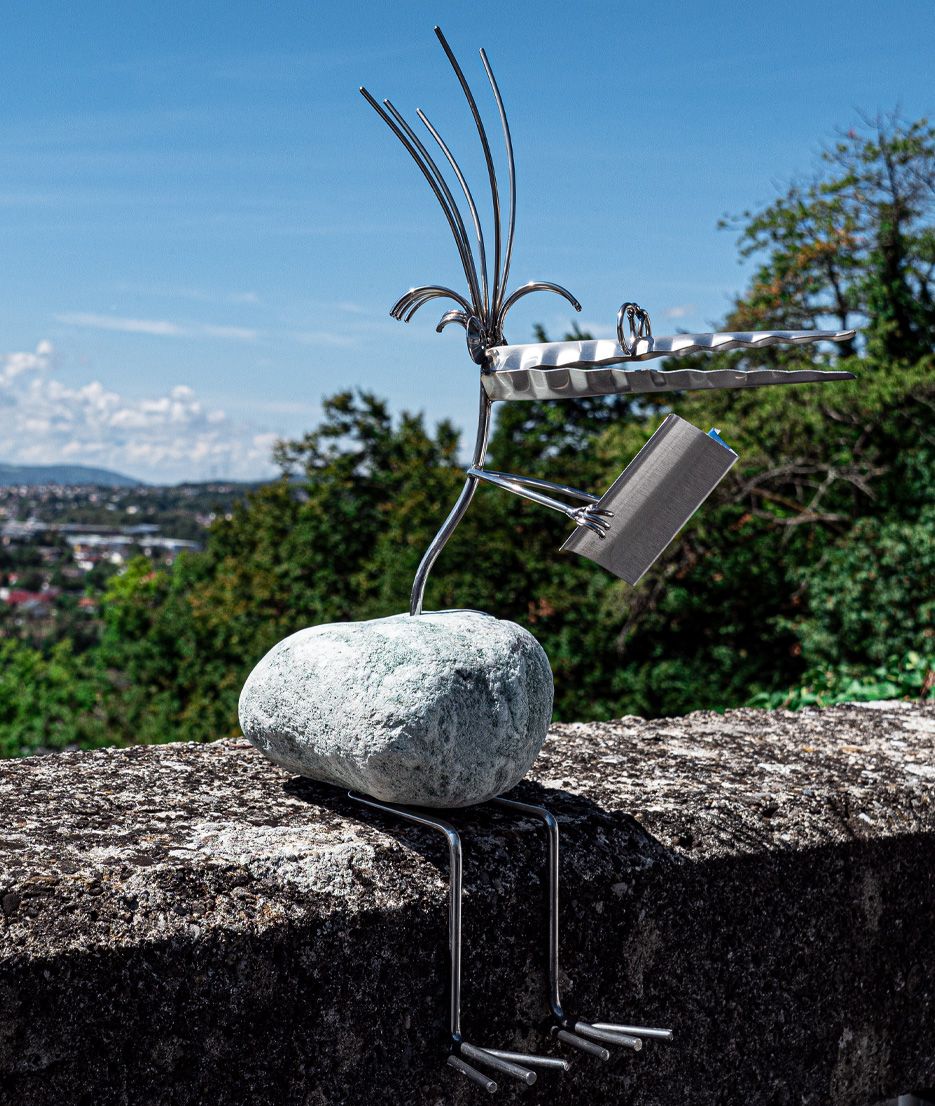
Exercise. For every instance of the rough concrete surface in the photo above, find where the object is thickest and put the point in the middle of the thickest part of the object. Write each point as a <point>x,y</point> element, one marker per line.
<point>447,709</point>
<point>186,924</point>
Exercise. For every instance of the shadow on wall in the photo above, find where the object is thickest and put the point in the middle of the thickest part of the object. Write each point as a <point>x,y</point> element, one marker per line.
<point>788,974</point>
<point>809,945</point>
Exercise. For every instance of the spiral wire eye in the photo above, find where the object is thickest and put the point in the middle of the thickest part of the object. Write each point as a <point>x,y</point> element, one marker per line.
<point>639,325</point>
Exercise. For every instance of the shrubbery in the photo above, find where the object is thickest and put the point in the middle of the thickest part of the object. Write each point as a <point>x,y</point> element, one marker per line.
<point>806,572</point>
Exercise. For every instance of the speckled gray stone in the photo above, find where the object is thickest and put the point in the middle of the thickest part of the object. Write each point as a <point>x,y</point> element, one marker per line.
<point>444,710</point>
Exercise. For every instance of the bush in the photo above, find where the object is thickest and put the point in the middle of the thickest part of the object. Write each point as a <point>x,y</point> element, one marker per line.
<point>910,677</point>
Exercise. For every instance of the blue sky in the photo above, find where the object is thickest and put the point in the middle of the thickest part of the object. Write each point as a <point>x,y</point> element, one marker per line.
<point>204,225</point>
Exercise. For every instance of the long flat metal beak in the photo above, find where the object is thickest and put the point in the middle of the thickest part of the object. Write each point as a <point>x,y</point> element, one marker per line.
<point>657,493</point>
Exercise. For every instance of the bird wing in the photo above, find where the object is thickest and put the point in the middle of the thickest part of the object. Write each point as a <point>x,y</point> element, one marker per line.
<point>566,370</point>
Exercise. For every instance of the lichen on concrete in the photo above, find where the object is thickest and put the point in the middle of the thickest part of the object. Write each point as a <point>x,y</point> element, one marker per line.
<point>188,924</point>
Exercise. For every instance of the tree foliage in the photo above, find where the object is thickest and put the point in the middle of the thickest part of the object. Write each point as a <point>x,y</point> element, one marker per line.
<point>856,245</point>
<point>811,567</point>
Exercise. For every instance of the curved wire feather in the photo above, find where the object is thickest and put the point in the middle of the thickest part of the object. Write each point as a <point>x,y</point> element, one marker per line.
<point>470,200</point>
<point>443,184</point>
<point>439,195</point>
<point>485,308</point>
<point>511,165</point>
<point>488,157</point>
<point>452,317</point>
<point>424,295</point>
<point>535,286</point>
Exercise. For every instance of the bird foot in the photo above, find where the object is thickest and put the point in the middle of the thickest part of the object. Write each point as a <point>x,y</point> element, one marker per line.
<point>519,1065</point>
<point>594,1037</point>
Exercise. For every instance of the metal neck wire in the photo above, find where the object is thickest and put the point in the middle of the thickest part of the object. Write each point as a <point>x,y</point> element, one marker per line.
<point>457,512</point>
<point>483,311</point>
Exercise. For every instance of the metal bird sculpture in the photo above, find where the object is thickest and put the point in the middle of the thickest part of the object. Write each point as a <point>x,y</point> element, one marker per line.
<point>625,530</point>
<point>675,464</point>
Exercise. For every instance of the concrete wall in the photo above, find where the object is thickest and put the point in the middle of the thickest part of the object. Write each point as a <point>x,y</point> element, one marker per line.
<point>186,924</point>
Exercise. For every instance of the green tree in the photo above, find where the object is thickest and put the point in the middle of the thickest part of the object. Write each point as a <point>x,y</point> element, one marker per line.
<point>855,245</point>
<point>336,538</point>
<point>740,601</point>
<point>55,701</point>
<point>808,575</point>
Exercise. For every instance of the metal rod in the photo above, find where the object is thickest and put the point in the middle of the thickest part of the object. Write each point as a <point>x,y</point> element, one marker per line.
<point>627,1036</point>
<point>510,1063</point>
<point>534,286</point>
<point>425,295</point>
<point>443,184</point>
<point>413,306</point>
<point>454,316</point>
<point>636,1030</point>
<point>438,544</point>
<point>454,895</point>
<point>472,1073</point>
<point>416,305</point>
<point>590,517</point>
<point>494,192</point>
<point>479,234</point>
<point>483,1056</point>
<point>514,486</point>
<point>457,512</point>
<point>551,825</point>
<point>534,482</point>
<point>508,253</point>
<point>471,277</point>
<point>584,1029</point>
<point>556,1063</point>
<point>582,1044</point>
<point>429,292</point>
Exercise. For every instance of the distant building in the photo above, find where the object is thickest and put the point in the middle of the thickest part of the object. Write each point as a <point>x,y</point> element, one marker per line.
<point>33,602</point>
<point>93,544</point>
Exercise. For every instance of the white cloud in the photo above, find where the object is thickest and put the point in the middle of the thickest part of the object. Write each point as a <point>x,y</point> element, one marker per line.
<point>113,322</point>
<point>681,311</point>
<point>159,439</point>
<point>598,330</point>
<point>159,327</point>
<point>359,309</point>
<point>197,295</point>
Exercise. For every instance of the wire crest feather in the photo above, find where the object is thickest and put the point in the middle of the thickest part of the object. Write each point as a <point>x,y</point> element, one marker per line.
<point>483,311</point>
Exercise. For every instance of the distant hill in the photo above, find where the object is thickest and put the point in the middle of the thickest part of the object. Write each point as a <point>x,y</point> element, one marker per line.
<point>11,475</point>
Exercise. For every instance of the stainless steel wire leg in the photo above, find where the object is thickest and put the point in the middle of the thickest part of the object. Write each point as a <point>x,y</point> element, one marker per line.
<point>582,1035</point>
<point>516,1064</point>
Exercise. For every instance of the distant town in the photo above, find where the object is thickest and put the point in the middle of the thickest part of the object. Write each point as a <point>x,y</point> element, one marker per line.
<point>60,544</point>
